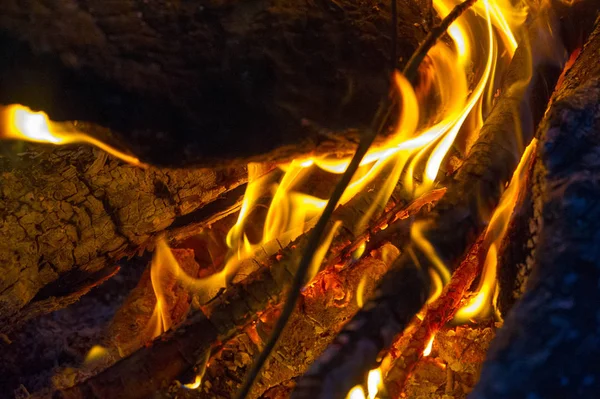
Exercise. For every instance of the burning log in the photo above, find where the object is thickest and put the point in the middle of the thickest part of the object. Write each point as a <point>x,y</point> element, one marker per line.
<point>325,305</point>
<point>218,320</point>
<point>548,345</point>
<point>457,219</point>
<point>183,84</point>
<point>411,348</point>
<point>69,215</point>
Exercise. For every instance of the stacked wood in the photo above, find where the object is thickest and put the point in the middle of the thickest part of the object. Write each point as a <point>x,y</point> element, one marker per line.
<point>184,83</point>
<point>69,214</point>
<point>548,346</point>
<point>325,305</point>
<point>225,315</point>
<point>459,217</point>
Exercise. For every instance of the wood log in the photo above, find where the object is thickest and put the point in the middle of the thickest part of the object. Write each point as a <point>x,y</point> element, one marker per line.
<point>219,319</point>
<point>548,347</point>
<point>407,351</point>
<point>325,305</point>
<point>185,83</point>
<point>67,215</point>
<point>457,219</point>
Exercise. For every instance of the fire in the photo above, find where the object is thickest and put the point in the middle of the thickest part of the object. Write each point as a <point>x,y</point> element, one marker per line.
<point>481,303</point>
<point>429,346</point>
<point>195,384</point>
<point>21,123</point>
<point>374,381</point>
<point>96,353</point>
<point>374,385</point>
<point>360,291</point>
<point>356,393</point>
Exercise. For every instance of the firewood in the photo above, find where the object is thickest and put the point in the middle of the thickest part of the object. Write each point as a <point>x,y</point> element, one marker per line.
<point>218,320</point>
<point>409,349</point>
<point>69,214</point>
<point>548,346</point>
<point>324,306</point>
<point>182,83</point>
<point>457,219</point>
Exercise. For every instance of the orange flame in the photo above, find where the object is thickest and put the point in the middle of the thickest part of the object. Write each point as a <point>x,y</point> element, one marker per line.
<point>429,346</point>
<point>481,303</point>
<point>21,123</point>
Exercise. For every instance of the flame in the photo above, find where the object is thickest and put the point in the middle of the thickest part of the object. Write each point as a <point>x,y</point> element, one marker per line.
<point>356,393</point>
<point>96,353</point>
<point>481,303</point>
<point>419,239</point>
<point>374,385</point>
<point>195,384</point>
<point>21,123</point>
<point>360,291</point>
<point>429,346</point>
<point>437,286</point>
<point>374,381</point>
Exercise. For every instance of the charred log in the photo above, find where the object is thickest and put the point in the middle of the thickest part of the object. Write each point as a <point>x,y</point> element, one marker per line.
<point>455,222</point>
<point>183,84</point>
<point>325,305</point>
<point>69,214</point>
<point>222,317</point>
<point>549,344</point>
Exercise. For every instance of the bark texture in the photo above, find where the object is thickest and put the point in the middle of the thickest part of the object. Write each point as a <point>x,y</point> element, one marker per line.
<point>203,83</point>
<point>549,345</point>
<point>67,215</point>
<point>456,221</point>
<point>324,307</point>
<point>223,316</point>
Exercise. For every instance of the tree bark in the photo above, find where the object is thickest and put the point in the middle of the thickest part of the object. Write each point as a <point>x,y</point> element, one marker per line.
<point>548,347</point>
<point>183,83</point>
<point>67,215</point>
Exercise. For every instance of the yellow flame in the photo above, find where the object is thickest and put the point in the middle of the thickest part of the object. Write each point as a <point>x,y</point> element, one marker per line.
<point>429,346</point>
<point>481,303</point>
<point>322,251</point>
<point>21,123</point>
<point>360,291</point>
<point>96,353</point>
<point>419,239</point>
<point>374,381</point>
<point>437,286</point>
<point>195,384</point>
<point>356,393</point>
<point>374,385</point>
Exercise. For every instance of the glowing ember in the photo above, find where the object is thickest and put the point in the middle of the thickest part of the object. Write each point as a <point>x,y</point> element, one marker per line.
<point>21,123</point>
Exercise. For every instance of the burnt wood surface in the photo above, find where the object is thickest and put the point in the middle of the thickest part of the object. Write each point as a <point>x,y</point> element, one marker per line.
<point>550,343</point>
<point>67,215</point>
<point>456,221</point>
<point>223,317</point>
<point>182,83</point>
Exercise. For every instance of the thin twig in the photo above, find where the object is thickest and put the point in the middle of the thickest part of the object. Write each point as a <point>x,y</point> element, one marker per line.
<point>411,68</point>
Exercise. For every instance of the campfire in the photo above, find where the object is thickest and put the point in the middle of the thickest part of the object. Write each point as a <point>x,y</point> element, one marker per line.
<point>319,200</point>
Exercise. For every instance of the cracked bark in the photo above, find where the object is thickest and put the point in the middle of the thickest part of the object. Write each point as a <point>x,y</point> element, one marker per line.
<point>188,83</point>
<point>231,310</point>
<point>453,225</point>
<point>548,347</point>
<point>67,215</point>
